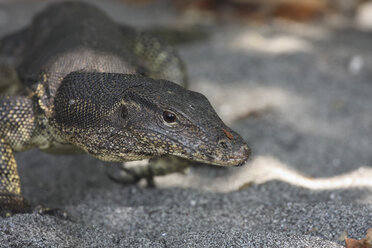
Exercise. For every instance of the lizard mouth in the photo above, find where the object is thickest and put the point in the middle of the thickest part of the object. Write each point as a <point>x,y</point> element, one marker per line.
<point>236,158</point>
<point>222,158</point>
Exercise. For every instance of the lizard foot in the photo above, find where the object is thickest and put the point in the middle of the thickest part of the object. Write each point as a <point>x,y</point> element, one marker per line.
<point>56,212</point>
<point>155,167</point>
<point>131,173</point>
<point>11,204</point>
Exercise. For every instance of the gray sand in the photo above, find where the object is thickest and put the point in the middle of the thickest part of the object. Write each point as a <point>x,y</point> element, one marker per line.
<point>308,183</point>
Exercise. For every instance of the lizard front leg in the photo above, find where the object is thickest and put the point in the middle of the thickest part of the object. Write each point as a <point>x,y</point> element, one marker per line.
<point>158,59</point>
<point>11,200</point>
<point>17,125</point>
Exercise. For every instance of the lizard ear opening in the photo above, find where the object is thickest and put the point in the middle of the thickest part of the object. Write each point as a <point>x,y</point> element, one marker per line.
<point>124,112</point>
<point>119,117</point>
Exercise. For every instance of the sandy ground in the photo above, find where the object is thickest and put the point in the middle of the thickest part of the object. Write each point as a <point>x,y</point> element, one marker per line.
<point>299,94</point>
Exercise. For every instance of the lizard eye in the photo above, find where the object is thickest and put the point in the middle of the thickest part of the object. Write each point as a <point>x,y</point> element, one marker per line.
<point>169,117</point>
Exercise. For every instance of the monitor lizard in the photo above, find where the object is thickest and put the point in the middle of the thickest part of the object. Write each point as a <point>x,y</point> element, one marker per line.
<point>90,85</point>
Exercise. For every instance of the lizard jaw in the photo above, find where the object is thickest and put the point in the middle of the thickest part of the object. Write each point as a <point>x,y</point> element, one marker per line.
<point>220,158</point>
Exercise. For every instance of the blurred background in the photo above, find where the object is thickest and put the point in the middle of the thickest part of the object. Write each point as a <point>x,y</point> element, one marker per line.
<point>292,77</point>
<point>263,11</point>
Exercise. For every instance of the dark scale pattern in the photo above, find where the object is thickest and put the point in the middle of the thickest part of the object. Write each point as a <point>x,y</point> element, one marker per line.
<point>85,29</point>
<point>78,102</point>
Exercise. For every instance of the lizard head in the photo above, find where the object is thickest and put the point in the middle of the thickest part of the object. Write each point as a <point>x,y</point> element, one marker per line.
<point>121,117</point>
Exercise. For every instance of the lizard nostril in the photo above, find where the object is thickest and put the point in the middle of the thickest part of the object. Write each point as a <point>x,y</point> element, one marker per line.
<point>246,151</point>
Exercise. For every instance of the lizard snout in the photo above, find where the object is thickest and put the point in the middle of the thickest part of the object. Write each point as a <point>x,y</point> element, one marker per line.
<point>236,150</point>
<point>244,152</point>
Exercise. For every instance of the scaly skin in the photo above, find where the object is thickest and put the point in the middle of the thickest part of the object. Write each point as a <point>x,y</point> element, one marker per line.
<point>92,86</point>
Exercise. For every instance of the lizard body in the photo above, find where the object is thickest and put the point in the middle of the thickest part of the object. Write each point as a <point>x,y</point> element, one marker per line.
<point>114,92</point>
